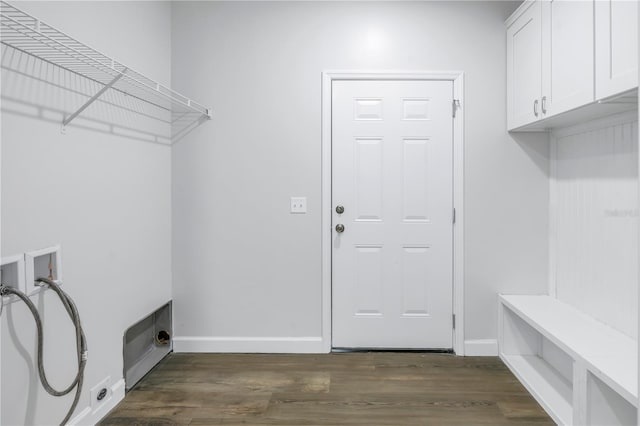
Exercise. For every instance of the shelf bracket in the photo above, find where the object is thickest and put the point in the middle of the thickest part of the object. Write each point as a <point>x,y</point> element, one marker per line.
<point>93,99</point>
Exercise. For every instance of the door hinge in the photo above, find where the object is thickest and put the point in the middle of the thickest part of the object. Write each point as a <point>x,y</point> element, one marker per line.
<point>456,106</point>
<point>454,216</point>
<point>454,321</point>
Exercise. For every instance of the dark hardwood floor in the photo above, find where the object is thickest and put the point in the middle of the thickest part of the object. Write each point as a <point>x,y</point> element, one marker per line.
<point>379,388</point>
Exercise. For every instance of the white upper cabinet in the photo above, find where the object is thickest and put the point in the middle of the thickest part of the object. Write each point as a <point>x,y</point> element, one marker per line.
<point>563,55</point>
<point>524,69</point>
<point>616,36</point>
<point>567,55</point>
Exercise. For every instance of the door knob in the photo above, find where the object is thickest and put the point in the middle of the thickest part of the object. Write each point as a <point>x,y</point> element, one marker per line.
<point>339,228</point>
<point>339,209</point>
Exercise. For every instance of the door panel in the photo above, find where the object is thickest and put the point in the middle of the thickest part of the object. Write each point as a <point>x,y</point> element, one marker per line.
<point>415,194</point>
<point>616,46</point>
<point>368,276</point>
<point>524,70</point>
<point>392,170</point>
<point>415,297</point>
<point>368,183</point>
<point>568,55</point>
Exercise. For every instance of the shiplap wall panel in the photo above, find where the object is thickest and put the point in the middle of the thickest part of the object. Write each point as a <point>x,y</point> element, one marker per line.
<point>596,214</point>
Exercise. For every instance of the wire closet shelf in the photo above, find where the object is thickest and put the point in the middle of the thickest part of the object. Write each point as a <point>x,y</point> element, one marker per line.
<point>29,35</point>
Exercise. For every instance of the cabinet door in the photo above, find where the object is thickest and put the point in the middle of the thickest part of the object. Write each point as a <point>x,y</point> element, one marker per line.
<point>524,71</point>
<point>616,47</point>
<point>567,55</point>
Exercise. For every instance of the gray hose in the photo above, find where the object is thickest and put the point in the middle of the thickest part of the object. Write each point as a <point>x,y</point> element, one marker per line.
<point>81,342</point>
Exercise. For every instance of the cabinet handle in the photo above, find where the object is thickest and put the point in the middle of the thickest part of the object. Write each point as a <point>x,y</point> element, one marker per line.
<point>544,104</point>
<point>535,107</point>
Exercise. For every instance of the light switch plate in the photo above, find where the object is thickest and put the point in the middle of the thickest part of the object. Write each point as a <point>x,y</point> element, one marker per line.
<point>298,204</point>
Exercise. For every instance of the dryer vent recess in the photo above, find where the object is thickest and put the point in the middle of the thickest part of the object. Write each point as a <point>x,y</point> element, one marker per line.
<point>163,337</point>
<point>146,343</point>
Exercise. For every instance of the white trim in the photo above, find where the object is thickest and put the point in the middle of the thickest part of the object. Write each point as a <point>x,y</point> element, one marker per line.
<point>591,125</point>
<point>458,228</point>
<point>457,77</point>
<point>392,75</point>
<point>82,418</point>
<point>88,417</point>
<point>553,229</point>
<point>295,345</point>
<point>325,209</point>
<point>519,11</point>
<point>481,347</point>
<point>638,118</point>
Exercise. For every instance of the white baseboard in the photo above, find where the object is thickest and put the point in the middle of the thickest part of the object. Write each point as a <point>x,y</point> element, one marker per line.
<point>87,417</point>
<point>481,347</point>
<point>249,344</point>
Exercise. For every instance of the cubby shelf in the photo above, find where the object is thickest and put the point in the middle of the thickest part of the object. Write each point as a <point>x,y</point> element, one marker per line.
<point>29,35</point>
<point>564,357</point>
<point>549,388</point>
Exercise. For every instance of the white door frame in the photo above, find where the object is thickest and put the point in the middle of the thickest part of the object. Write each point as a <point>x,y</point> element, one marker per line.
<point>457,77</point>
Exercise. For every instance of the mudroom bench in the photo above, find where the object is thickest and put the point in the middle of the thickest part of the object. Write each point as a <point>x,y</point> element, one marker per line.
<point>579,369</point>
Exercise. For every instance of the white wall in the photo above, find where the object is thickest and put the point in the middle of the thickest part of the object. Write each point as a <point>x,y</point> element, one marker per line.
<point>105,199</point>
<point>246,272</point>
<point>595,220</point>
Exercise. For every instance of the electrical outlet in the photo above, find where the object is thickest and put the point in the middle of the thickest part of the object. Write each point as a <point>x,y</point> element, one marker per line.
<point>100,394</point>
<point>298,204</point>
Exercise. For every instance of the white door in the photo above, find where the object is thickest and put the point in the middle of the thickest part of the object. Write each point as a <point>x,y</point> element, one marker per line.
<point>524,68</point>
<point>567,55</point>
<point>392,172</point>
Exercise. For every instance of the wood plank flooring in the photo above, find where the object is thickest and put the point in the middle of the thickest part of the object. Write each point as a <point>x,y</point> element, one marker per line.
<point>378,388</point>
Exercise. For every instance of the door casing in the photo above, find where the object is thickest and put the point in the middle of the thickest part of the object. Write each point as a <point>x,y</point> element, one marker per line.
<point>457,77</point>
